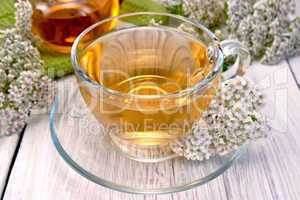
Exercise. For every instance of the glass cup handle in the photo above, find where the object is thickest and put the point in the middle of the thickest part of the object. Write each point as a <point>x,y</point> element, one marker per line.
<point>241,58</point>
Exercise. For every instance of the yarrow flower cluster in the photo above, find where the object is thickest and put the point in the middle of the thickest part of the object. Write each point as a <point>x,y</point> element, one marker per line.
<point>23,17</point>
<point>232,119</point>
<point>196,145</point>
<point>266,27</point>
<point>211,13</point>
<point>22,83</point>
<point>284,45</point>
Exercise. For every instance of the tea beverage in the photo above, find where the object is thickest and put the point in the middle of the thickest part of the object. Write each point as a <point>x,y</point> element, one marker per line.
<point>59,22</point>
<point>147,74</point>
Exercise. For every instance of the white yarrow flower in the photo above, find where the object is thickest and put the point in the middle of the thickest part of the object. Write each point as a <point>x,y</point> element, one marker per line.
<point>266,27</point>
<point>211,13</point>
<point>22,83</point>
<point>23,17</point>
<point>232,119</point>
<point>196,145</point>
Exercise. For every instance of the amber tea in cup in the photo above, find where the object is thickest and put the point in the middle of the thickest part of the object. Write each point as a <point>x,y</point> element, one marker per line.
<point>148,62</point>
<point>148,84</point>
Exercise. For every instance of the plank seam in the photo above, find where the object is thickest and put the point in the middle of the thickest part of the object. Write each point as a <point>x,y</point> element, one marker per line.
<point>293,73</point>
<point>12,163</point>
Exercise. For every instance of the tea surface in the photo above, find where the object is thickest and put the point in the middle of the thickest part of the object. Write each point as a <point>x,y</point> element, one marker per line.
<point>147,62</point>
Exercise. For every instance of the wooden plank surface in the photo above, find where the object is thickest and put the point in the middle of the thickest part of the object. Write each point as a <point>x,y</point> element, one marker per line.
<point>7,149</point>
<point>270,168</point>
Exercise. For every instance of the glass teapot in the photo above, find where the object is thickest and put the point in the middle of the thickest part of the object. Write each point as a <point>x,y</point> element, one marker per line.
<point>56,23</point>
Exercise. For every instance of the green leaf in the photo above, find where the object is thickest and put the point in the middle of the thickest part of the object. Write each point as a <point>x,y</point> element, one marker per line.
<point>253,118</point>
<point>176,9</point>
<point>7,10</point>
<point>57,65</point>
<point>228,62</point>
<point>130,6</point>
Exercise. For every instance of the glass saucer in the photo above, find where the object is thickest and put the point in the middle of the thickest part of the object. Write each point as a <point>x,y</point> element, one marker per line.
<point>82,143</point>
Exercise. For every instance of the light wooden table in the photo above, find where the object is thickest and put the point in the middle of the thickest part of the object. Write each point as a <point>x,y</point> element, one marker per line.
<point>31,168</point>
<point>270,168</point>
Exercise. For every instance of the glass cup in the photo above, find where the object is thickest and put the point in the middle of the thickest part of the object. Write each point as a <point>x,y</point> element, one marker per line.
<point>150,78</point>
<point>56,23</point>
